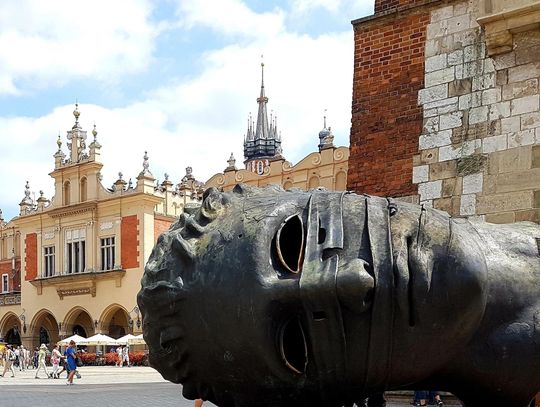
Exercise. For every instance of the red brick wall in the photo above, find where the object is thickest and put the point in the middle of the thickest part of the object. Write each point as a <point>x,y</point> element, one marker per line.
<point>385,5</point>
<point>31,259</point>
<point>160,226</point>
<point>14,278</point>
<point>386,118</point>
<point>130,242</point>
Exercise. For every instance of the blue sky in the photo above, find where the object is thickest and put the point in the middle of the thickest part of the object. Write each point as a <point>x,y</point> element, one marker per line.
<point>176,78</point>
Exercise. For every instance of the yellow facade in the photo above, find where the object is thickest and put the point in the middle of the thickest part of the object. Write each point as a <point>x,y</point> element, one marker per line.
<point>327,168</point>
<point>75,262</point>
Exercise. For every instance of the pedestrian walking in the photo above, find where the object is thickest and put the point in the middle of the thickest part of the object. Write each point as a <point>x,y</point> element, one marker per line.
<point>9,359</point>
<point>119,356</point>
<point>22,358</point>
<point>71,361</point>
<point>55,360</point>
<point>42,355</point>
<point>125,355</point>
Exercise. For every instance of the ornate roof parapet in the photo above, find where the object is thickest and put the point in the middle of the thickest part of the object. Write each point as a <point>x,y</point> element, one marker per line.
<point>2,221</point>
<point>145,179</point>
<point>95,147</point>
<point>145,173</point>
<point>231,164</point>
<point>189,186</point>
<point>77,140</point>
<point>59,156</point>
<point>42,202</point>
<point>167,185</point>
<point>27,203</point>
<point>120,183</point>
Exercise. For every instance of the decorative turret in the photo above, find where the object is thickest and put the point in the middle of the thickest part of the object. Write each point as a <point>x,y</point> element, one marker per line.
<point>2,221</point>
<point>326,138</point>
<point>145,179</point>
<point>263,144</point>
<point>95,147</point>
<point>77,139</point>
<point>59,156</point>
<point>120,183</point>
<point>42,202</point>
<point>232,164</point>
<point>27,204</point>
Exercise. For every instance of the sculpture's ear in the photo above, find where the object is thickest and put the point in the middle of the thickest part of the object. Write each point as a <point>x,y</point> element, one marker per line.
<point>213,204</point>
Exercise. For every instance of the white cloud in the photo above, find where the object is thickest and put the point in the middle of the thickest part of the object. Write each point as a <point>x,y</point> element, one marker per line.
<point>354,8</point>
<point>231,17</point>
<point>198,122</point>
<point>53,42</point>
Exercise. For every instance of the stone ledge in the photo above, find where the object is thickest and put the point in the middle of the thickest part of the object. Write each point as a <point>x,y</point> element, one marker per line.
<point>500,27</point>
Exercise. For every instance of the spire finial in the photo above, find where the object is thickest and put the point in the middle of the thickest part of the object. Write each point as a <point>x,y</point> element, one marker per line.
<point>262,71</point>
<point>145,164</point>
<point>59,142</point>
<point>76,113</point>
<point>94,132</point>
<point>1,216</point>
<point>324,126</point>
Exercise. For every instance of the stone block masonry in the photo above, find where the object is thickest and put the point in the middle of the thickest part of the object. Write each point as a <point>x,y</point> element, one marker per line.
<point>481,120</point>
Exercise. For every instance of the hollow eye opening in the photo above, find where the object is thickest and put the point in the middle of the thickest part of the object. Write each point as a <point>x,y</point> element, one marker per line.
<point>293,347</point>
<point>290,244</point>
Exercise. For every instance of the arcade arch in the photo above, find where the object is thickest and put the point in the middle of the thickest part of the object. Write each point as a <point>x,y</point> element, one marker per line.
<point>78,322</point>
<point>114,321</point>
<point>43,328</point>
<point>10,329</point>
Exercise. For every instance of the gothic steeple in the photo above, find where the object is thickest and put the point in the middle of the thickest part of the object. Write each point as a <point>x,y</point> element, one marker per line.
<point>265,142</point>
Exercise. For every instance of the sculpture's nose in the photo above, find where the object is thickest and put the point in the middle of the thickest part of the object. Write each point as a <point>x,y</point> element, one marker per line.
<point>355,285</point>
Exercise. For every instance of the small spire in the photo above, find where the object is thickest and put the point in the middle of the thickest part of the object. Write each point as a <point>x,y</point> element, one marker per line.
<point>120,175</point>
<point>262,71</point>
<point>94,132</point>
<point>76,113</point>
<point>130,184</point>
<point>324,125</point>
<point>1,216</point>
<point>145,172</point>
<point>59,142</point>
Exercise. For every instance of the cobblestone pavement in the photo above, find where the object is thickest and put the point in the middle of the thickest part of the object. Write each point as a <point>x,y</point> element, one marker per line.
<point>102,386</point>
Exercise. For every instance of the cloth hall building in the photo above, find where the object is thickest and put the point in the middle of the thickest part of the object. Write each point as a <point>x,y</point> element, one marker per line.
<point>73,264</point>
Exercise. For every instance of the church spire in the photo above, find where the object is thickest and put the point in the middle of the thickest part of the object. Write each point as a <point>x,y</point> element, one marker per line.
<point>263,128</point>
<point>263,141</point>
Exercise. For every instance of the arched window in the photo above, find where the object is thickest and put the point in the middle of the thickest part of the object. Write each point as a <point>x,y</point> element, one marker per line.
<point>313,182</point>
<point>341,181</point>
<point>83,190</point>
<point>67,192</point>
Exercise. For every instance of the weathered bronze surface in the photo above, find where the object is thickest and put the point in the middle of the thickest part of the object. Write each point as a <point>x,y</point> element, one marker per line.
<point>266,297</point>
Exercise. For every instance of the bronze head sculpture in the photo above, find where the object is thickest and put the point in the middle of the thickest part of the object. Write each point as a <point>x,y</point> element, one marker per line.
<point>278,298</point>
